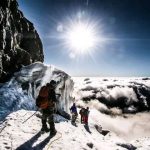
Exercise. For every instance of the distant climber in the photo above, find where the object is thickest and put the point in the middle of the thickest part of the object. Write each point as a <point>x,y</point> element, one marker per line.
<point>46,101</point>
<point>81,112</point>
<point>74,112</point>
<point>86,115</point>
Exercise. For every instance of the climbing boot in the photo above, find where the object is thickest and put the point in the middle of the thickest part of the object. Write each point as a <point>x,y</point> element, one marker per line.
<point>53,132</point>
<point>44,129</point>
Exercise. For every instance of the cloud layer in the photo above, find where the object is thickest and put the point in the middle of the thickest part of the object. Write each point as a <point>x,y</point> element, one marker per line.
<point>127,95</point>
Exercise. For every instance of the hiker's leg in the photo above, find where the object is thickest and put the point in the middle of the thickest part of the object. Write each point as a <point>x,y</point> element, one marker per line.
<point>44,119</point>
<point>51,122</point>
<point>81,118</point>
<point>86,119</point>
<point>73,118</point>
<point>52,125</point>
<point>76,117</point>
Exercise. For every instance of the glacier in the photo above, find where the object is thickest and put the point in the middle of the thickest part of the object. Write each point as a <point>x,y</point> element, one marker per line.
<point>23,88</point>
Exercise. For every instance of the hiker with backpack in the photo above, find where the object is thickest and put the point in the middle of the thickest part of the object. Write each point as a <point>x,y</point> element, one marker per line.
<point>86,115</point>
<point>46,101</point>
<point>81,112</point>
<point>74,112</point>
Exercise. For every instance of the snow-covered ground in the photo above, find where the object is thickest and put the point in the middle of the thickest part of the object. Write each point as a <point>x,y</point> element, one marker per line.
<point>26,136</point>
<point>119,105</point>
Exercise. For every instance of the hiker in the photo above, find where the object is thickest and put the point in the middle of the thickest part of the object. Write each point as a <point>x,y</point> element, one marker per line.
<point>46,101</point>
<point>86,115</point>
<point>81,112</point>
<point>74,112</point>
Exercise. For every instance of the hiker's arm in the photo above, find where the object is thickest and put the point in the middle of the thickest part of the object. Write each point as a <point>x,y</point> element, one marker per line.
<point>52,96</point>
<point>57,97</point>
<point>71,109</point>
<point>55,107</point>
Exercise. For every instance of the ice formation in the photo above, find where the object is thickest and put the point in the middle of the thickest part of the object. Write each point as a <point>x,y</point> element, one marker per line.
<point>21,91</point>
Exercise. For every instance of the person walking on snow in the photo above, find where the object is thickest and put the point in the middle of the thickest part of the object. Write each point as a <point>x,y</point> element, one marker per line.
<point>74,112</point>
<point>82,114</point>
<point>86,115</point>
<point>46,101</point>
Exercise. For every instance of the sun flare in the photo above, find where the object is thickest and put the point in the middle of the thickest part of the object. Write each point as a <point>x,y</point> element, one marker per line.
<point>81,37</point>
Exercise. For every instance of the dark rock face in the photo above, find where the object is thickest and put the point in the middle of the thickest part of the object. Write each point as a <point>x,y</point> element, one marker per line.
<point>20,44</point>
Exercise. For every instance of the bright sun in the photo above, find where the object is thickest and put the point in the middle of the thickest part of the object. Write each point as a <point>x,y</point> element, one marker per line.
<point>80,35</point>
<point>81,38</point>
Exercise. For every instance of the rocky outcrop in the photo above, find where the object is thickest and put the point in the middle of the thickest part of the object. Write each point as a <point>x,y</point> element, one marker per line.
<point>20,44</point>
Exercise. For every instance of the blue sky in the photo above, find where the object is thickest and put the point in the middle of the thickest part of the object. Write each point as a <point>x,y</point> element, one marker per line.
<point>123,23</point>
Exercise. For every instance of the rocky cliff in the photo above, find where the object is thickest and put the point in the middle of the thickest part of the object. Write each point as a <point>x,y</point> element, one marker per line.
<point>20,44</point>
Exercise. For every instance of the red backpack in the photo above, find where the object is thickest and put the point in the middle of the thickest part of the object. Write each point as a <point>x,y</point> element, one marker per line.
<point>42,99</point>
<point>44,92</point>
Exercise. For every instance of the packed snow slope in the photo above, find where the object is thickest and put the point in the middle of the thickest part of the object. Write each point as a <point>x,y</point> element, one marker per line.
<point>113,95</point>
<point>26,136</point>
<point>21,91</point>
<point>119,105</point>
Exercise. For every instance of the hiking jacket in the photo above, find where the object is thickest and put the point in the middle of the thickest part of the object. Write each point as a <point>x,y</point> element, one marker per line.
<point>86,113</point>
<point>51,99</point>
<point>81,112</point>
<point>73,109</point>
<point>52,95</point>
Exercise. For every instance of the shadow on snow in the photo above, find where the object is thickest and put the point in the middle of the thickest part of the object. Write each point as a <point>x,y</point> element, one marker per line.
<point>28,144</point>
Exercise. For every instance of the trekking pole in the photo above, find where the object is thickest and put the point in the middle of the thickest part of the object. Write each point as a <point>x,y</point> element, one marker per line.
<point>30,116</point>
<point>3,128</point>
<point>4,125</point>
<point>2,121</point>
